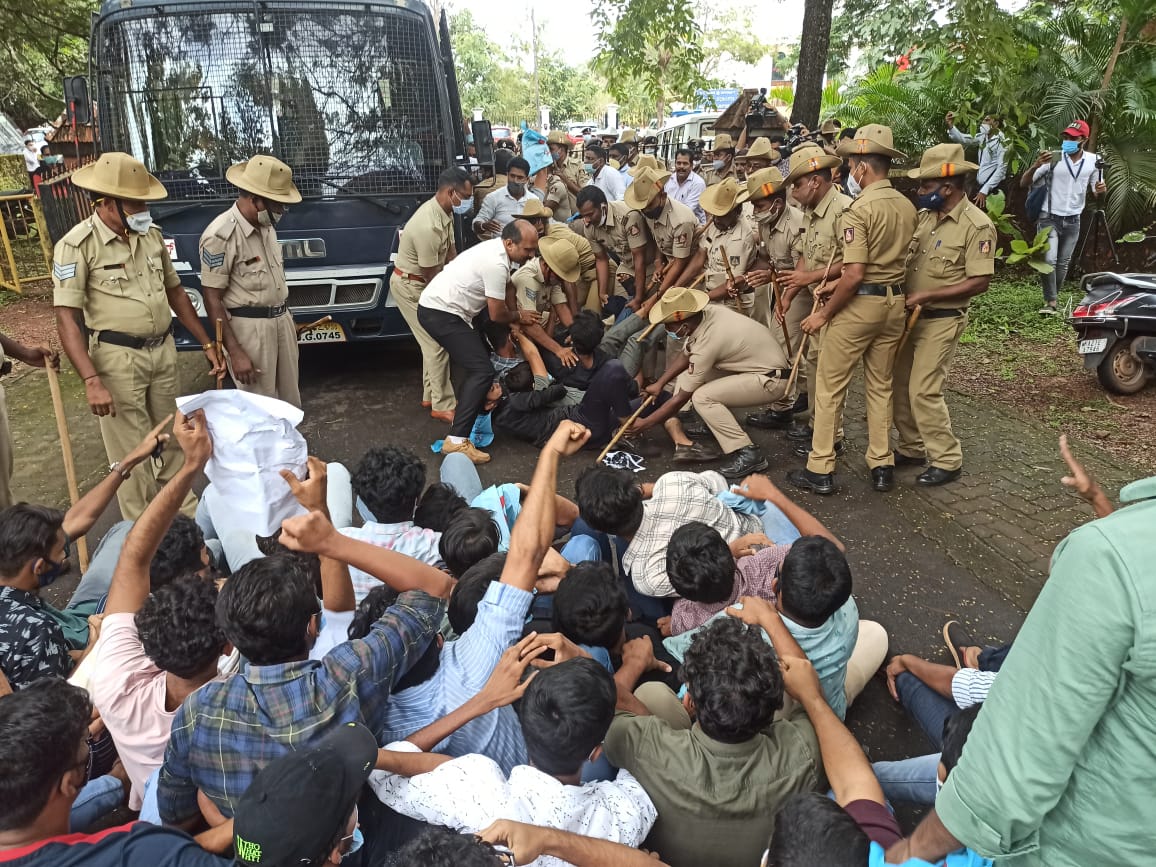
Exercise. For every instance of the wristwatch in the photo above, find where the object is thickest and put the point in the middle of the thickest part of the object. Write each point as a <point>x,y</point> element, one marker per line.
<point>117,467</point>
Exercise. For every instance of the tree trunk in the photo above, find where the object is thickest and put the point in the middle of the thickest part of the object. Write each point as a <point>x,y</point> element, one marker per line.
<point>813,48</point>
<point>1108,72</point>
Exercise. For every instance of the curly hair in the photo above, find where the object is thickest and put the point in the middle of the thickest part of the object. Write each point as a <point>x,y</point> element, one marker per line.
<point>733,677</point>
<point>441,847</point>
<point>590,605</point>
<point>437,507</point>
<point>177,625</point>
<point>610,500</point>
<point>264,609</point>
<point>389,480</point>
<point>179,552</point>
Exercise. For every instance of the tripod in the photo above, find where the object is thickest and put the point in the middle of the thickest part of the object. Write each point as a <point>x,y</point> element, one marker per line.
<point>1098,226</point>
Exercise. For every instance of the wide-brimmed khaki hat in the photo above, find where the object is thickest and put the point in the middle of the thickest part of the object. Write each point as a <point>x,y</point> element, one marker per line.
<point>874,138</point>
<point>267,177</point>
<point>628,135</point>
<point>561,256</point>
<point>762,148</point>
<point>720,199</point>
<point>723,141</point>
<point>828,127</point>
<point>648,183</point>
<point>942,161</point>
<point>677,304</point>
<point>760,184</point>
<point>532,208</point>
<point>646,161</point>
<point>807,160</point>
<point>557,137</point>
<point>120,176</point>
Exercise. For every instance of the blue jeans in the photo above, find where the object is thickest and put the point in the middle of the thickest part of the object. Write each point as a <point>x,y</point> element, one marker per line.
<point>459,473</point>
<point>909,780</point>
<point>1065,231</point>
<point>777,526</point>
<point>991,658</point>
<point>930,709</point>
<point>98,798</point>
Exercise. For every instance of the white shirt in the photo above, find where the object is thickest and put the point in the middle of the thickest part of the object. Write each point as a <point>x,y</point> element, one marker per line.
<point>627,178</point>
<point>469,793</point>
<point>462,287</point>
<point>501,206</point>
<point>688,193</point>
<point>1070,185</point>
<point>610,182</point>
<point>992,157</point>
<point>31,159</point>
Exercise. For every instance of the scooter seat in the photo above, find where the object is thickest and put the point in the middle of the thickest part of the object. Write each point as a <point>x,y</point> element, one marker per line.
<point>1142,282</point>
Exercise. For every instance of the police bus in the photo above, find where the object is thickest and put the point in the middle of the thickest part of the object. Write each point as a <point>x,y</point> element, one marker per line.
<point>360,99</point>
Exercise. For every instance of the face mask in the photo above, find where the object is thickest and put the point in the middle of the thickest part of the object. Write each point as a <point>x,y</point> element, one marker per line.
<point>1070,147</point>
<point>653,213</point>
<point>938,785</point>
<point>853,188</point>
<point>769,216</point>
<point>718,165</point>
<point>984,128</point>
<point>356,843</point>
<point>516,190</point>
<point>933,201</point>
<point>588,168</point>
<point>677,338</point>
<point>463,207</point>
<point>55,571</point>
<point>559,157</point>
<point>139,223</point>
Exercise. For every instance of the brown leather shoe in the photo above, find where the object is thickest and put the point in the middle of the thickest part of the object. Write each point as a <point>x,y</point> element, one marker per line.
<point>468,449</point>
<point>447,415</point>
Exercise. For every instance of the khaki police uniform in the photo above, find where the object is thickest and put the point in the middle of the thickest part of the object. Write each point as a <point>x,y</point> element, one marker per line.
<point>782,246</point>
<point>7,461</point>
<point>120,286</point>
<point>534,293</point>
<point>736,246</point>
<point>625,231</point>
<point>822,235</point>
<point>425,242</point>
<point>673,230</point>
<point>556,190</point>
<point>587,281</point>
<point>244,262</point>
<point>733,363</point>
<point>877,230</point>
<point>944,252</point>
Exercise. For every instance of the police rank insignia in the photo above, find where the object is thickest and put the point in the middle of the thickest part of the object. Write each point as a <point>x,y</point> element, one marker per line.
<point>848,235</point>
<point>985,247</point>
<point>680,239</point>
<point>63,272</point>
<point>212,260</point>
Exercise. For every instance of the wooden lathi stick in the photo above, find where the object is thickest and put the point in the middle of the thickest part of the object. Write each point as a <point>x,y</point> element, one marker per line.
<point>625,427</point>
<point>912,318</point>
<point>220,335</point>
<point>66,450</point>
<point>301,329</point>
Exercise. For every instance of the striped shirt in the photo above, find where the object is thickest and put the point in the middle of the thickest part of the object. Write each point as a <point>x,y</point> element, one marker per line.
<point>228,730</point>
<point>969,686</point>
<point>465,666</point>
<point>401,538</point>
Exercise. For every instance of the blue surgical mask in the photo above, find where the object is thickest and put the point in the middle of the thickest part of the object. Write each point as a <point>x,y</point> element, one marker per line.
<point>356,843</point>
<point>1069,147</point>
<point>588,168</point>
<point>139,223</point>
<point>853,188</point>
<point>933,201</point>
<point>463,207</point>
<point>718,165</point>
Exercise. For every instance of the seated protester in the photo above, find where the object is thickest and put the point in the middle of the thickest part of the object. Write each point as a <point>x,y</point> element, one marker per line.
<point>565,711</point>
<point>719,783</point>
<point>496,612</point>
<point>529,409</point>
<point>37,639</point>
<point>856,827</point>
<point>590,609</point>
<point>44,751</point>
<point>530,842</point>
<point>471,537</point>
<point>388,481</point>
<point>710,575</point>
<point>438,506</point>
<point>811,597</point>
<point>281,700</point>
<point>158,647</point>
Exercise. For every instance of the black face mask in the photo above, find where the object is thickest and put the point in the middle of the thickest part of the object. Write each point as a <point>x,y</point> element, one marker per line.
<point>516,190</point>
<point>652,213</point>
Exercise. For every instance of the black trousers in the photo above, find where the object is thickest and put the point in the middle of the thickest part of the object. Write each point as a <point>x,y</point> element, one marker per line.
<point>471,371</point>
<point>606,401</point>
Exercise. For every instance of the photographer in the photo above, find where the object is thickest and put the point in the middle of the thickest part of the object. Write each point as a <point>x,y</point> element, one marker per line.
<point>1068,183</point>
<point>992,153</point>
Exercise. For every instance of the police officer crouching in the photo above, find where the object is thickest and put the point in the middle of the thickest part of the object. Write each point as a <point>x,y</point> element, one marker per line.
<point>244,280</point>
<point>951,260</point>
<point>115,292</point>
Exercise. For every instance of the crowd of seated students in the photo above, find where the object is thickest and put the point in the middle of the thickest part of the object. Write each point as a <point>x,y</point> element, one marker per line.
<point>649,674</point>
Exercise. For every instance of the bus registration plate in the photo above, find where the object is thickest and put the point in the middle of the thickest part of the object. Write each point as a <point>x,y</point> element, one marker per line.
<point>330,332</point>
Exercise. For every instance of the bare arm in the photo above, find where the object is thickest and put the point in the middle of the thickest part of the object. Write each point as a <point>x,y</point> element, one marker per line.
<point>501,312</point>
<point>529,842</point>
<point>936,676</point>
<point>672,274</point>
<point>930,842</point>
<point>531,354</point>
<point>336,585</point>
<point>759,487</point>
<point>760,612</point>
<point>602,269</point>
<point>187,316</point>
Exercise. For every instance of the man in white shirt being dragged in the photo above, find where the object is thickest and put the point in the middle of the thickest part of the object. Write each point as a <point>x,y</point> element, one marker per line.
<point>1077,172</point>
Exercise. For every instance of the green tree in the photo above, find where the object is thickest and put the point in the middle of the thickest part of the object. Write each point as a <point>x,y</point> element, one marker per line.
<point>41,43</point>
<point>872,33</point>
<point>813,49</point>
<point>729,36</point>
<point>477,60</point>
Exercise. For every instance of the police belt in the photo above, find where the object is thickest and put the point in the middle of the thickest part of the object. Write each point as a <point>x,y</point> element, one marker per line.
<point>259,312</point>
<point>405,275</point>
<point>943,312</point>
<point>880,289</point>
<point>779,373</point>
<point>132,341</point>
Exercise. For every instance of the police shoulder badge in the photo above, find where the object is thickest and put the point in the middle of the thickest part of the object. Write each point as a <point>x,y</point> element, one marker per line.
<point>680,239</point>
<point>848,235</point>
<point>634,230</point>
<point>985,247</point>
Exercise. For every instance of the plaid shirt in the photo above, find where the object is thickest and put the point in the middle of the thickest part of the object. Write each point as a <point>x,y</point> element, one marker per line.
<point>753,577</point>
<point>678,499</point>
<point>228,730</point>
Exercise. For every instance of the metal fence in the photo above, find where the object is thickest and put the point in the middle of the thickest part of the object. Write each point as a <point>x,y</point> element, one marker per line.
<point>62,206</point>
<point>27,251</point>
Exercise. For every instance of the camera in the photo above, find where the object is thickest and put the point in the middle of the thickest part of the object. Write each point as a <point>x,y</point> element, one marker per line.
<point>796,138</point>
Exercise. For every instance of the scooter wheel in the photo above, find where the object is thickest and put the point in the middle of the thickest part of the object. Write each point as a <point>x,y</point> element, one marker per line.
<point>1121,372</point>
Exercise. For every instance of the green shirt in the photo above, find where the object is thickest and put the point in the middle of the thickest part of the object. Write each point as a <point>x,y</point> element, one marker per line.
<point>1058,770</point>
<point>716,802</point>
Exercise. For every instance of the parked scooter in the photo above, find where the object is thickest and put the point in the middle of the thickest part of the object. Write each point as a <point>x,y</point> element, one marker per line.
<point>1116,325</point>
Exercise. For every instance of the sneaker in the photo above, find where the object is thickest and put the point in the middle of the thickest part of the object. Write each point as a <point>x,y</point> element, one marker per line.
<point>467,448</point>
<point>956,638</point>
<point>1048,310</point>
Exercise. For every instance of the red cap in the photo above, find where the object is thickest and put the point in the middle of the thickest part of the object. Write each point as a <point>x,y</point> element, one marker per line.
<point>1079,127</point>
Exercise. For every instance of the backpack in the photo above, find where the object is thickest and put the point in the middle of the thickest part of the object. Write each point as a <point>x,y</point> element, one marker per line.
<point>1038,195</point>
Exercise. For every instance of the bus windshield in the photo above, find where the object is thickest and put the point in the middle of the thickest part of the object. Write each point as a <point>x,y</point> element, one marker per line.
<point>349,96</point>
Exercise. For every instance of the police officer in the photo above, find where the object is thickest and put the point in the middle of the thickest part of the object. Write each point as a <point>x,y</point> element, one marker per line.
<point>614,231</point>
<point>244,280</point>
<point>114,281</point>
<point>865,312</point>
<point>761,155</point>
<point>726,248</point>
<point>809,178</point>
<point>37,356</point>
<point>724,156</point>
<point>728,360</point>
<point>951,260</point>
<point>672,226</point>
<point>540,286</point>
<point>564,182</point>
<point>425,246</point>
<point>780,248</point>
<point>583,289</point>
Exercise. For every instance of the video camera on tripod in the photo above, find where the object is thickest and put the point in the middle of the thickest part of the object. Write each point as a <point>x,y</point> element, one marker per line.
<point>797,138</point>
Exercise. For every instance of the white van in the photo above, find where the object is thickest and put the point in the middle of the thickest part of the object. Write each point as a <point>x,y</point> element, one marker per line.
<point>679,130</point>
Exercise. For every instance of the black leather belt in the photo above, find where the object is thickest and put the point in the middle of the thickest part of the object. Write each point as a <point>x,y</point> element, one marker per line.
<point>880,289</point>
<point>132,341</point>
<point>943,312</point>
<point>259,312</point>
<point>779,372</point>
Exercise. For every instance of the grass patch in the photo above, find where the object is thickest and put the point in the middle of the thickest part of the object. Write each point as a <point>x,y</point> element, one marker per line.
<point>1009,310</point>
<point>7,297</point>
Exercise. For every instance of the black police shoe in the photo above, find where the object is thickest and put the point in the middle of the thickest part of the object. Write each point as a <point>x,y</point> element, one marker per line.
<point>801,403</point>
<point>800,431</point>
<point>771,419</point>
<point>816,483</point>
<point>937,476</point>
<point>804,449</point>
<point>883,478</point>
<point>902,460</point>
<point>697,453</point>
<point>745,461</point>
<point>693,426</point>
